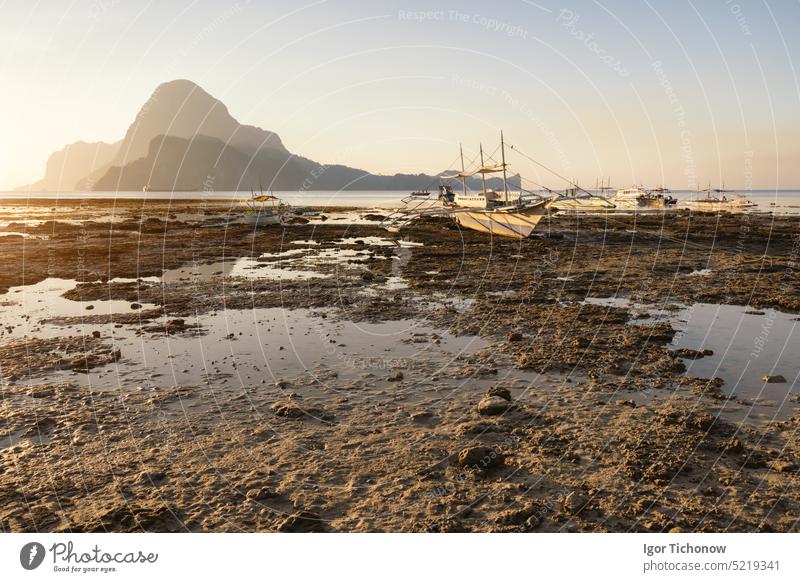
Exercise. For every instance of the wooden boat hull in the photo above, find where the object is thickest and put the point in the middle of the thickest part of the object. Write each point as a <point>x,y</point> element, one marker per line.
<point>262,219</point>
<point>512,224</point>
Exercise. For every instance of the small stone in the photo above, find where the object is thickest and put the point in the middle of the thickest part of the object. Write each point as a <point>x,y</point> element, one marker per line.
<point>287,410</point>
<point>574,502</point>
<point>777,379</point>
<point>622,402</point>
<point>89,307</point>
<point>480,458</point>
<point>781,466</point>
<point>302,521</point>
<point>515,336</point>
<point>151,476</point>
<point>96,334</point>
<point>500,392</point>
<point>396,377</point>
<point>492,406</point>
<point>259,493</point>
<point>135,306</point>
<point>421,416</point>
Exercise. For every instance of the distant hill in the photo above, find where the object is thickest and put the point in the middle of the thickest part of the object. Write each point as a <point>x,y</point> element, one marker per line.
<point>184,139</point>
<point>69,168</point>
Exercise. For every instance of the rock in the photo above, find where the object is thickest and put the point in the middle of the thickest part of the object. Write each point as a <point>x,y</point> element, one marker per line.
<point>781,466</point>
<point>135,306</point>
<point>259,493</point>
<point>396,377</point>
<point>622,402</point>
<point>89,307</point>
<point>581,342</point>
<point>515,336</point>
<point>691,354</point>
<point>492,406</point>
<point>96,334</point>
<point>574,502</point>
<point>500,392</point>
<point>480,458</point>
<point>288,410</point>
<point>367,275</point>
<point>421,416</point>
<point>374,217</point>
<point>302,522</point>
<point>777,379</point>
<point>151,476</point>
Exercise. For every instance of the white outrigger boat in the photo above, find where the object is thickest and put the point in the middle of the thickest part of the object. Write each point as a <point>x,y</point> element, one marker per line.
<point>265,209</point>
<point>637,198</point>
<point>496,212</point>
<point>717,200</point>
<point>503,213</point>
<point>578,200</point>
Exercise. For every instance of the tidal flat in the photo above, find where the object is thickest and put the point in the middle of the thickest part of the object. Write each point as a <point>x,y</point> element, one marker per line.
<point>167,367</point>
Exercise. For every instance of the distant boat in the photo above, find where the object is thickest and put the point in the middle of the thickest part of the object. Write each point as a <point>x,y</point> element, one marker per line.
<point>421,193</point>
<point>638,198</point>
<point>265,209</point>
<point>146,188</point>
<point>718,200</point>
<point>575,200</point>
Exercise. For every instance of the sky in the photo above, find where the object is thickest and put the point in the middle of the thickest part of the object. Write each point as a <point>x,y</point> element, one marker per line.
<point>676,92</point>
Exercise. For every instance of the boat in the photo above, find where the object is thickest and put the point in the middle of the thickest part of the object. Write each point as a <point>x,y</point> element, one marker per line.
<point>146,188</point>
<point>639,198</point>
<point>664,193</point>
<point>579,200</point>
<point>503,213</point>
<point>631,198</point>
<point>421,193</point>
<point>718,200</point>
<point>265,209</point>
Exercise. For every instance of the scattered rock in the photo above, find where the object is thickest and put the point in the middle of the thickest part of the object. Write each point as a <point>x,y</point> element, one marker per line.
<point>480,458</point>
<point>260,493</point>
<point>492,406</point>
<point>574,502</point>
<point>690,354</point>
<point>515,336</point>
<point>136,306</point>
<point>288,410</point>
<point>782,466</point>
<point>777,379</point>
<point>301,522</point>
<point>500,392</point>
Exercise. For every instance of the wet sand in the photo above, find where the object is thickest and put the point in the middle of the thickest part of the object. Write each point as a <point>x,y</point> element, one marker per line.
<point>167,368</point>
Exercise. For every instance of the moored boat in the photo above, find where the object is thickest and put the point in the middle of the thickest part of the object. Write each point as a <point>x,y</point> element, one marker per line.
<point>503,213</point>
<point>719,200</point>
<point>265,209</point>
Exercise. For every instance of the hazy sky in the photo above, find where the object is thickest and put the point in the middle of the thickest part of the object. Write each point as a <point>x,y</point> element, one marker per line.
<point>653,91</point>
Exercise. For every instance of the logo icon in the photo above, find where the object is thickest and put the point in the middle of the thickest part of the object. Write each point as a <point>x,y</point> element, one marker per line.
<point>31,555</point>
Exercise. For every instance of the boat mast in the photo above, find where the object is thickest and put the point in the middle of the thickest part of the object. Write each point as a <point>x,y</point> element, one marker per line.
<point>483,174</point>
<point>503,159</point>
<point>463,176</point>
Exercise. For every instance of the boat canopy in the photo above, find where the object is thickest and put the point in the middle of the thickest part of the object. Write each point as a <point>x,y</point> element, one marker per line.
<point>494,168</point>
